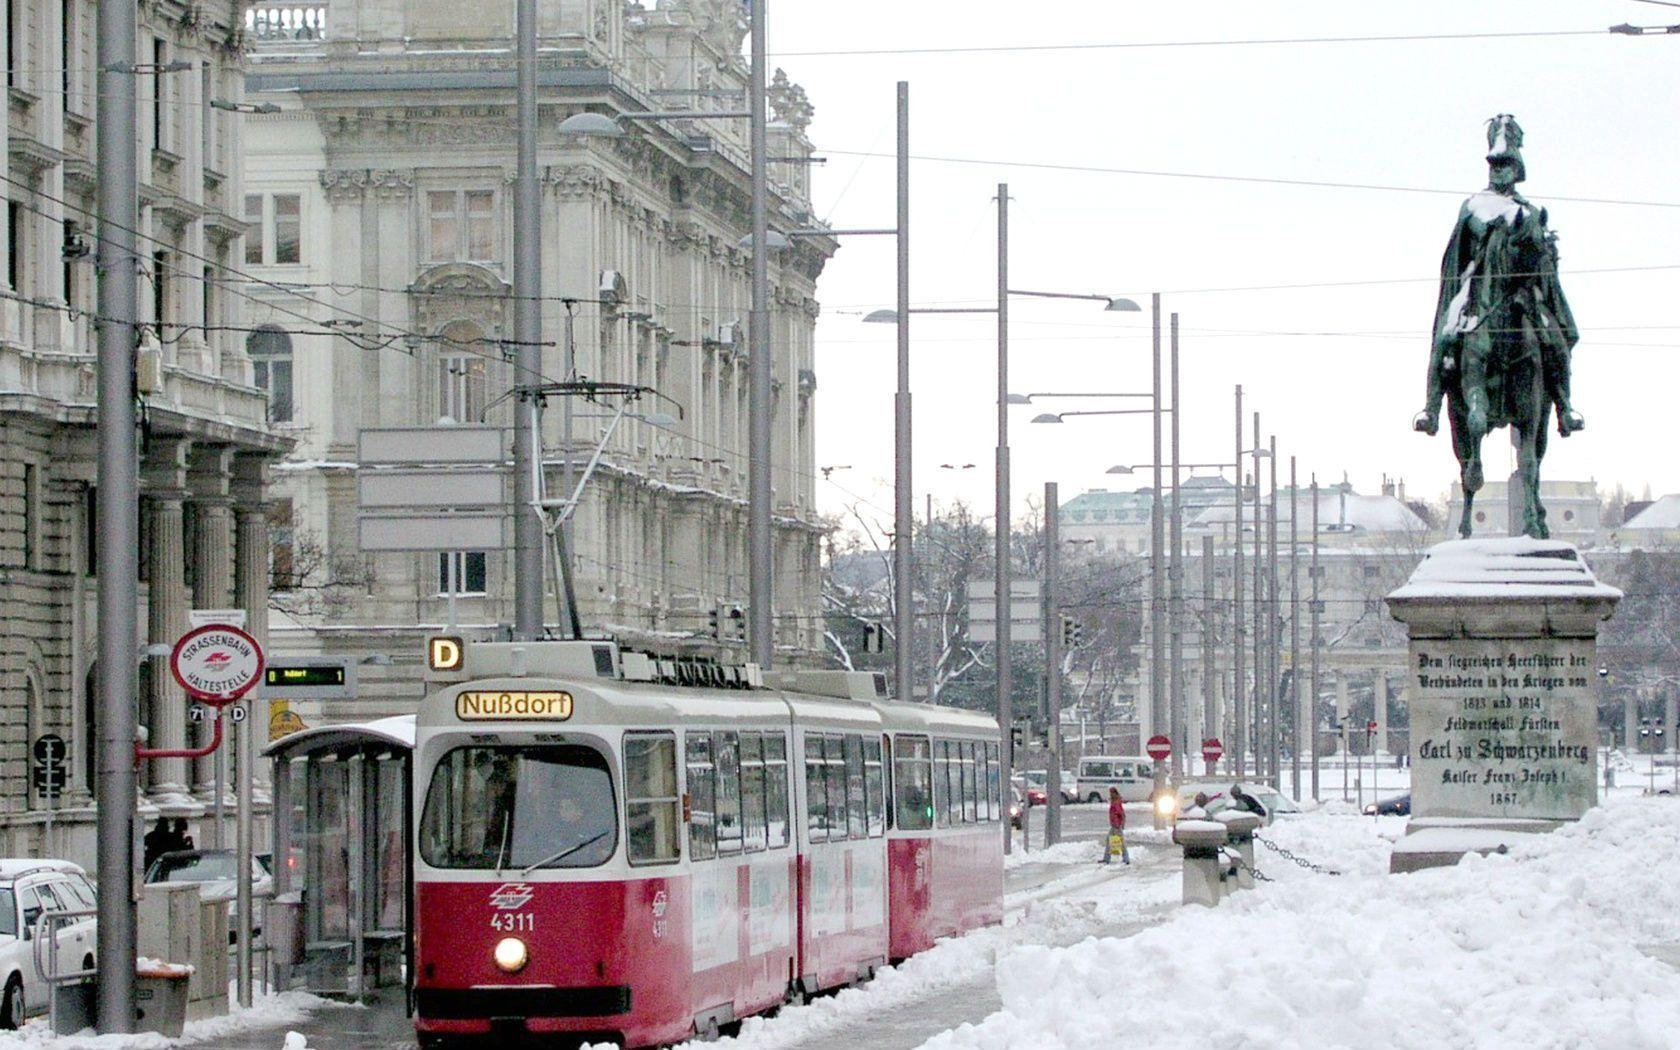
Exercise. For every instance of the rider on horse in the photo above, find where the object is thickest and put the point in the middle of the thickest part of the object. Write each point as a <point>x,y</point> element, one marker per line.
<point>1499,278</point>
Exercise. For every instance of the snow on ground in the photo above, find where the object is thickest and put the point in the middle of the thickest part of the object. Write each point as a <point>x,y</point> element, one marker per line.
<point>267,1011</point>
<point>1535,949</point>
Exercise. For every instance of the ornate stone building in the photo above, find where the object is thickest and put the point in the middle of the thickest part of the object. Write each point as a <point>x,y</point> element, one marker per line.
<point>384,185</point>
<point>205,443</point>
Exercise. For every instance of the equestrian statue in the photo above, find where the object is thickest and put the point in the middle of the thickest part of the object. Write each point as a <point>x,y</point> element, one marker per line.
<point>1503,331</point>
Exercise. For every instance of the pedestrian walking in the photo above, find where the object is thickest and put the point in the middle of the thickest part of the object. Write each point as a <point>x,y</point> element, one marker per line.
<point>1116,840</point>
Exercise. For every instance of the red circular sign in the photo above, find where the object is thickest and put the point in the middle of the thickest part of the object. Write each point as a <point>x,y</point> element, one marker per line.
<point>1159,747</point>
<point>1212,749</point>
<point>216,663</point>
<point>1370,727</point>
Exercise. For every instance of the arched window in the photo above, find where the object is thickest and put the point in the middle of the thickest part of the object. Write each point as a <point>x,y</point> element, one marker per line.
<point>270,350</point>
<point>461,373</point>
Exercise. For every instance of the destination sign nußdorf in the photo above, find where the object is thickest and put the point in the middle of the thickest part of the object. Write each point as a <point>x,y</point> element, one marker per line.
<point>484,704</point>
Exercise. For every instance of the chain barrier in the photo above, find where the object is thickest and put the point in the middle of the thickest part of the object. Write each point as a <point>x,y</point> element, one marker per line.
<point>1286,855</point>
<point>1259,876</point>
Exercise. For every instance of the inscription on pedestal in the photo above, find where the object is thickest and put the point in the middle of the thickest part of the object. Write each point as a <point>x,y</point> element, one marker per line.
<point>1503,728</point>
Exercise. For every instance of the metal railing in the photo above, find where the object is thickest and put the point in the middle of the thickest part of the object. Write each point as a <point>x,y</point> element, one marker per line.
<point>45,954</point>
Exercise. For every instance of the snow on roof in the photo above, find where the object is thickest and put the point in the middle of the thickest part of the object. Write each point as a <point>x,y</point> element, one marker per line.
<point>1337,512</point>
<point>1663,514</point>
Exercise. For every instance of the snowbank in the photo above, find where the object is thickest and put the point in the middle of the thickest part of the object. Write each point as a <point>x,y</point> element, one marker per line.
<point>267,1011</point>
<point>1538,948</point>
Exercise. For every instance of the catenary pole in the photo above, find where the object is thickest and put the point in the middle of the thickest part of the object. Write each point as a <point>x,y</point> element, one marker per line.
<point>904,594</point>
<point>1239,687</point>
<point>1053,665</point>
<point>1001,575</point>
<point>1313,640</point>
<point>1175,589</point>
<point>1273,636</point>
<point>1257,713</point>
<point>760,540</point>
<point>1158,718</point>
<point>527,333</point>
<point>118,518</point>
<point>1294,635</point>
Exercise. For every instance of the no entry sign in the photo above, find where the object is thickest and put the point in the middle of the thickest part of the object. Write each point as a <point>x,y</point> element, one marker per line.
<point>1159,748</point>
<point>1212,749</point>
<point>216,663</point>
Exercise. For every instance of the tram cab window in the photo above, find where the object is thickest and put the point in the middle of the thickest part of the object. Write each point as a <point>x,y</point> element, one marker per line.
<point>753,825</point>
<point>913,781</point>
<point>816,790</point>
<point>970,801</point>
<point>834,760</point>
<point>941,785</point>
<point>776,790</point>
<point>702,814</point>
<point>499,807</point>
<point>726,748</point>
<point>652,804</point>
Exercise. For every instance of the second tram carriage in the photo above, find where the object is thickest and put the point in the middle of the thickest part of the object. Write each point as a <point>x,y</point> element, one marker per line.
<point>602,855</point>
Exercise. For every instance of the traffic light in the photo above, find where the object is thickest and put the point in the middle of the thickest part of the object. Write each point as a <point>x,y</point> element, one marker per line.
<point>736,620</point>
<point>874,637</point>
<point>712,624</point>
<point>1073,632</point>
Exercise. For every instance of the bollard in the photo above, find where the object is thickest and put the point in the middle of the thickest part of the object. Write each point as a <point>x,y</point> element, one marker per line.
<point>1204,869</point>
<point>1240,826</point>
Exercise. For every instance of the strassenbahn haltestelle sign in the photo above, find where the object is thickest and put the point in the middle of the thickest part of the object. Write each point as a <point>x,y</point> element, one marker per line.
<point>488,704</point>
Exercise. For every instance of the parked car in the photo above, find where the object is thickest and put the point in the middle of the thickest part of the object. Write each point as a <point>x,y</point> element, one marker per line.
<point>1218,795</point>
<point>29,887</point>
<point>1038,783</point>
<point>216,873</point>
<point>1394,806</point>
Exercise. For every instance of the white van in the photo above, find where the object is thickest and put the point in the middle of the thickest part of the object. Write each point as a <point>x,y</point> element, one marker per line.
<point>1134,775</point>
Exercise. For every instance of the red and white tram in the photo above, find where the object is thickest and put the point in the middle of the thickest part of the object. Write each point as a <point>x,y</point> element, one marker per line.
<point>601,856</point>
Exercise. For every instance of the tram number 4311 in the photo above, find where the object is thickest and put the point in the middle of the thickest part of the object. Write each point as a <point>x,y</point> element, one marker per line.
<point>513,922</point>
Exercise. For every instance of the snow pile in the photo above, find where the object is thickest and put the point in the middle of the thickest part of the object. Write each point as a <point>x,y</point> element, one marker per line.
<point>267,1011</point>
<point>1538,948</point>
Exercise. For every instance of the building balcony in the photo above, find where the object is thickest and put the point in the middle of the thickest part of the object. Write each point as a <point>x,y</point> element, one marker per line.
<point>286,26</point>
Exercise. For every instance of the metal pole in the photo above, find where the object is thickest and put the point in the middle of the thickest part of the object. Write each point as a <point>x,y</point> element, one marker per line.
<point>1210,667</point>
<point>1175,590</point>
<point>904,594</point>
<point>1294,637</point>
<point>527,333</point>
<point>1273,648</point>
<point>1158,719</point>
<point>119,525</point>
<point>1053,667</point>
<point>760,542</point>
<point>1239,692</point>
<point>1256,715</point>
<point>1001,592</point>
<point>1313,721</point>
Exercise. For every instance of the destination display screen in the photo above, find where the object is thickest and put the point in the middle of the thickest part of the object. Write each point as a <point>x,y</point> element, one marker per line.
<point>303,675</point>
<point>496,704</point>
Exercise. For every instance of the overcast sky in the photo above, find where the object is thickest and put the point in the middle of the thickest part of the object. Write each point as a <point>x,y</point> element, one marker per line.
<point>1191,160</point>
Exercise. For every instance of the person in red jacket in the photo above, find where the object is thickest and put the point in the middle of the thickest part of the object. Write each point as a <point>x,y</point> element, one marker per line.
<point>1116,840</point>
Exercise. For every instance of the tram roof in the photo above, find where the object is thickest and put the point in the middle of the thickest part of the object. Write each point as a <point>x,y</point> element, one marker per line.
<point>396,731</point>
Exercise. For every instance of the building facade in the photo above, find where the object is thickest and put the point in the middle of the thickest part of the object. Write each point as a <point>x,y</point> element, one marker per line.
<point>384,187</point>
<point>205,444</point>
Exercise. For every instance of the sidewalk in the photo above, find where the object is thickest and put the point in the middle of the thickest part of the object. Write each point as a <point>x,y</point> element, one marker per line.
<point>381,1025</point>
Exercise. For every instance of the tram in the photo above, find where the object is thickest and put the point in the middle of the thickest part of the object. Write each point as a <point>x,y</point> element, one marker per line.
<point>612,847</point>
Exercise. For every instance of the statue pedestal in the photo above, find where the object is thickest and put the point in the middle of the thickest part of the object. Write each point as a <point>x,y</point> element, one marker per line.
<point>1503,694</point>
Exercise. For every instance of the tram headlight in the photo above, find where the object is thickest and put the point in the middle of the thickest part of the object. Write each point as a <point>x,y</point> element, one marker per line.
<point>511,954</point>
<point>1166,806</point>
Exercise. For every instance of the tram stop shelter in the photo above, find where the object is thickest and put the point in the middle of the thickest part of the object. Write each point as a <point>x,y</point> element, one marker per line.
<point>343,817</point>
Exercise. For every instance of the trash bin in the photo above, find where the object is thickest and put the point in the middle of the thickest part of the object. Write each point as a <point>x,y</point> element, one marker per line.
<point>160,997</point>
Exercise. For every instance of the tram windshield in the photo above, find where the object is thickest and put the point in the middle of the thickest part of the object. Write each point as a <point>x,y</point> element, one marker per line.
<point>520,807</point>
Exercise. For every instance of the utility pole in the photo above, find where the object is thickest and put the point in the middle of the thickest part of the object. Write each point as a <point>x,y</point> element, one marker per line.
<point>1257,722</point>
<point>1158,717</point>
<point>1274,647</point>
<point>904,543</point>
<point>1239,688</point>
<point>119,524</point>
<point>1210,616</point>
<point>1314,641</point>
<point>527,333</point>
<point>1053,667</point>
<point>1005,683</point>
<point>1175,589</point>
<point>1294,636</point>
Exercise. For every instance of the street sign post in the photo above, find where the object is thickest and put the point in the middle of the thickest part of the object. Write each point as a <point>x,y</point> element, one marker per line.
<point>48,772</point>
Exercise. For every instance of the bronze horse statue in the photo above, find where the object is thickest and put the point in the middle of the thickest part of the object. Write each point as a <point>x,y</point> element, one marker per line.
<point>1503,332</point>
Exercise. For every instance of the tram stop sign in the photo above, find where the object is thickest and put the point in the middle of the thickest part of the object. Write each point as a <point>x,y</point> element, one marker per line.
<point>1159,748</point>
<point>216,663</point>
<point>1212,750</point>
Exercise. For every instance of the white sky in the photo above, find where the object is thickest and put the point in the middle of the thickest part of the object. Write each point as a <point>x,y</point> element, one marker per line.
<point>1336,368</point>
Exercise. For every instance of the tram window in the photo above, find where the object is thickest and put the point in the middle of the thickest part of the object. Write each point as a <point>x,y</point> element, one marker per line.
<point>983,776</point>
<point>652,806</point>
<point>941,786</point>
<point>857,802</point>
<point>969,803</point>
<point>993,777</point>
<point>912,779</point>
<point>834,759</point>
<point>873,786</point>
<point>752,792</point>
<point>776,789</point>
<point>702,826</point>
<point>728,751</point>
<point>516,807</point>
<point>953,774</point>
<point>816,789</point>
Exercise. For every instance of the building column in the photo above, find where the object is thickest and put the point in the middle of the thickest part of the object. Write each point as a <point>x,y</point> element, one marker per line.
<point>250,592</point>
<point>212,589</point>
<point>166,619</point>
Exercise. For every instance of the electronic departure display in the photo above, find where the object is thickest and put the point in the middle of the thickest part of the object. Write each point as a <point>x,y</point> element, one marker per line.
<point>304,675</point>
